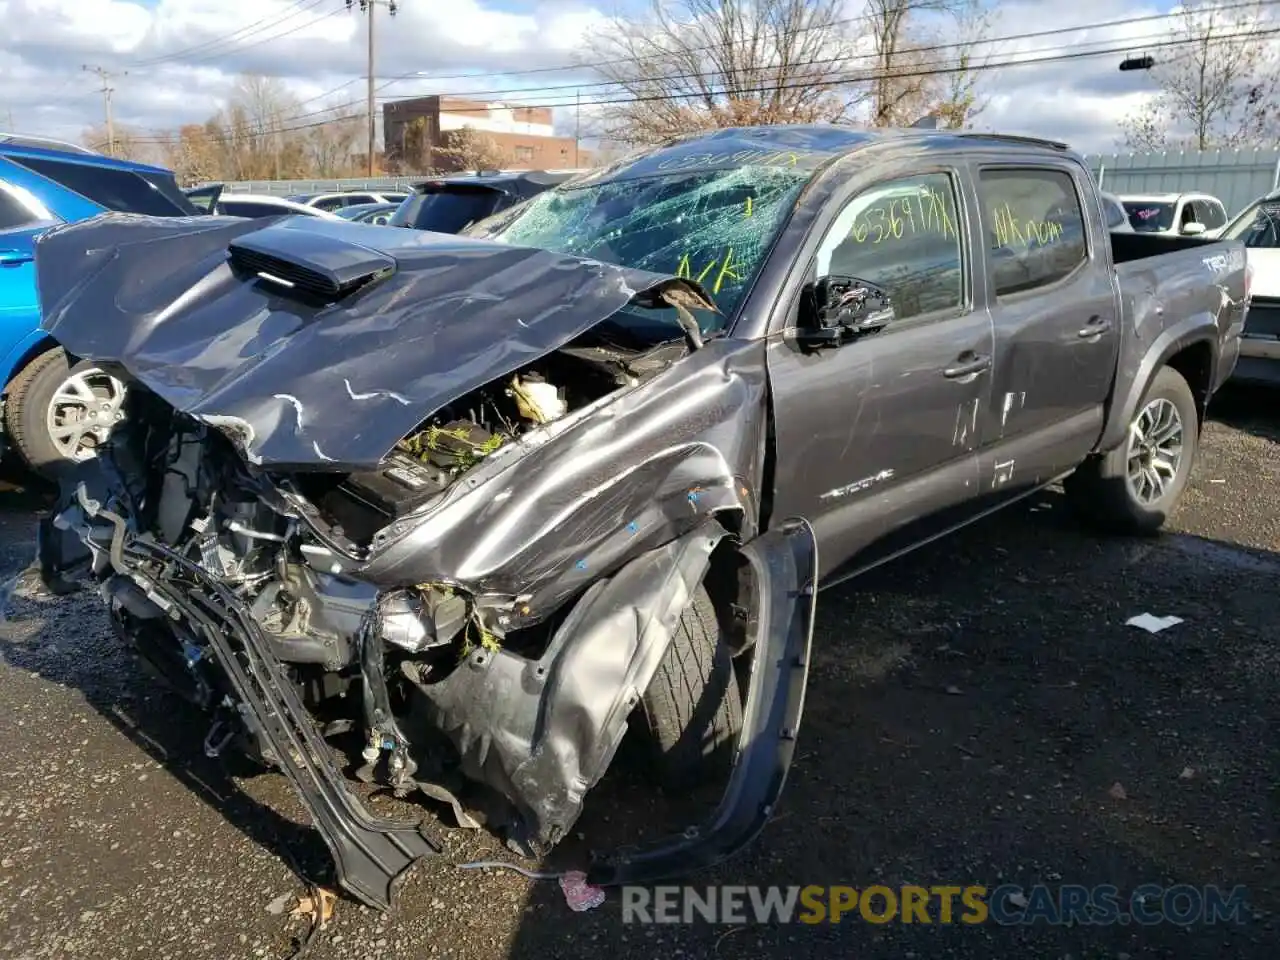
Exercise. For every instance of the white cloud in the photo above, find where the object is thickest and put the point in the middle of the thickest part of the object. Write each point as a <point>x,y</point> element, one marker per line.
<point>180,66</point>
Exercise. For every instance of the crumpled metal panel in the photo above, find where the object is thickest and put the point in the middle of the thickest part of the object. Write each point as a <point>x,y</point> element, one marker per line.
<point>543,732</point>
<point>333,386</point>
<point>549,516</point>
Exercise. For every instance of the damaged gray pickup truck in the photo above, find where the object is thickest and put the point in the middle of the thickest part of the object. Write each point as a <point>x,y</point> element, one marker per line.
<point>481,504</point>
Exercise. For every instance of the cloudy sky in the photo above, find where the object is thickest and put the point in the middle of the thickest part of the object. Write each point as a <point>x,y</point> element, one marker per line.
<point>175,60</point>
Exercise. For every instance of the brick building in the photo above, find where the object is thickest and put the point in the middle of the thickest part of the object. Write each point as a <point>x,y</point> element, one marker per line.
<point>414,129</point>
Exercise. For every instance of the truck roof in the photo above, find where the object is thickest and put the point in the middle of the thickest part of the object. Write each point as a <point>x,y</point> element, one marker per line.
<point>803,146</point>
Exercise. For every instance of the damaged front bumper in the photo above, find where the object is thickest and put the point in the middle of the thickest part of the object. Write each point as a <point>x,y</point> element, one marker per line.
<point>610,644</point>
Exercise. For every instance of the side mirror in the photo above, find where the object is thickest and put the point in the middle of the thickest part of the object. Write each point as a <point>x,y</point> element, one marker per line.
<point>834,309</point>
<point>1192,229</point>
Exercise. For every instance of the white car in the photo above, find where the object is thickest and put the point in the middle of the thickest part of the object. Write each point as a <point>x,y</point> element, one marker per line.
<point>1174,214</point>
<point>263,205</point>
<point>214,199</point>
<point>345,198</point>
<point>1258,225</point>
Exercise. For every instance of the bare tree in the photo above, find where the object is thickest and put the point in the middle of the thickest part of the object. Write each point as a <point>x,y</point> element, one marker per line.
<point>330,146</point>
<point>193,155</point>
<point>130,144</point>
<point>927,59</point>
<point>698,64</point>
<point>1216,88</point>
<point>467,149</point>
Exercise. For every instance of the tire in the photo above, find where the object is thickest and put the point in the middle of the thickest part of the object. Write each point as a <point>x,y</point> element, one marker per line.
<point>1102,491</point>
<point>692,708</point>
<point>36,398</point>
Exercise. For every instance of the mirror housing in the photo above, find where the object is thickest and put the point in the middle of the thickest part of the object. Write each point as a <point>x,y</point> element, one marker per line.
<point>1192,229</point>
<point>835,308</point>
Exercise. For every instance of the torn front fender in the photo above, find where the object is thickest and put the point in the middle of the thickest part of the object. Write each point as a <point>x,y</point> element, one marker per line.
<point>544,731</point>
<point>785,564</point>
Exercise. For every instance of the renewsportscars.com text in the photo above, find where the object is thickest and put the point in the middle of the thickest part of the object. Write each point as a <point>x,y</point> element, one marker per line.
<point>1005,905</point>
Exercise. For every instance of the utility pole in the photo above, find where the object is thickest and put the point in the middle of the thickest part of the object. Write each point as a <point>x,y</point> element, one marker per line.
<point>370,8</point>
<point>577,126</point>
<point>107,90</point>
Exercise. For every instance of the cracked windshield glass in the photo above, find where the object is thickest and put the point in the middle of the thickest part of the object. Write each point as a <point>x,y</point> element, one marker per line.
<point>715,227</point>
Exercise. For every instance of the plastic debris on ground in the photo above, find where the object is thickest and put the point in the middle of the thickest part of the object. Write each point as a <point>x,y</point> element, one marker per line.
<point>1151,623</point>
<point>579,894</point>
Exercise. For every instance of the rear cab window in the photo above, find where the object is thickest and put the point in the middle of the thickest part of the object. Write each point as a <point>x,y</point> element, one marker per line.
<point>1035,227</point>
<point>447,208</point>
<point>121,191</point>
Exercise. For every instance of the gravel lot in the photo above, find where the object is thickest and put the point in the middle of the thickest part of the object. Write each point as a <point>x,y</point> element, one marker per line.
<point>969,712</point>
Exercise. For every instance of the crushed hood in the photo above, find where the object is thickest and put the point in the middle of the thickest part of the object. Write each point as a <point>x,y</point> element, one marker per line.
<point>316,344</point>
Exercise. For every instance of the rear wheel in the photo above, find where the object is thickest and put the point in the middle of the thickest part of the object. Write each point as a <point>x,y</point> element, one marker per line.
<point>693,709</point>
<point>58,414</point>
<point>1134,488</point>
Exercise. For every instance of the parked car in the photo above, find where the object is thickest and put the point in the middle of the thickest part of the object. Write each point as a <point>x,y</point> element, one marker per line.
<point>1258,228</point>
<point>376,213</point>
<point>1175,214</point>
<point>490,499</point>
<point>334,202</point>
<point>448,205</point>
<point>214,199</point>
<point>52,411</point>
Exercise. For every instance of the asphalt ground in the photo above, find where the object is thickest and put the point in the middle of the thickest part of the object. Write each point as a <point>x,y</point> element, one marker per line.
<point>978,713</point>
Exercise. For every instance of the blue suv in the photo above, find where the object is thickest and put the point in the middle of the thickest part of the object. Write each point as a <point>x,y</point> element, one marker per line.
<point>54,412</point>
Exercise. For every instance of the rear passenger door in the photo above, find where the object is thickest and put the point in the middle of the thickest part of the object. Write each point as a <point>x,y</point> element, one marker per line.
<point>1056,317</point>
<point>876,437</point>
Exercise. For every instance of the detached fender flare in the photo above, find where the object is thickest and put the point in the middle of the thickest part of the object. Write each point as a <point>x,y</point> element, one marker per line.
<point>1195,329</point>
<point>785,563</point>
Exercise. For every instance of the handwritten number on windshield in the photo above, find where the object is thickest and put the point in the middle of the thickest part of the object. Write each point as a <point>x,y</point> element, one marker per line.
<point>722,268</point>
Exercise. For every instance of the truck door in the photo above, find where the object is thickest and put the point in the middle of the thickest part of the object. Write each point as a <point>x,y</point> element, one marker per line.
<point>877,434</point>
<point>1053,303</point>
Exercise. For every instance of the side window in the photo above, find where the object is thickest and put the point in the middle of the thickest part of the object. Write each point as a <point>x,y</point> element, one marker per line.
<point>119,190</point>
<point>330,203</point>
<point>1189,213</point>
<point>1210,214</point>
<point>1034,226</point>
<point>902,235</point>
<point>12,213</point>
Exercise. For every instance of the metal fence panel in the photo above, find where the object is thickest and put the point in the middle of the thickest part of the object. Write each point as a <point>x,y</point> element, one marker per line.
<point>1236,177</point>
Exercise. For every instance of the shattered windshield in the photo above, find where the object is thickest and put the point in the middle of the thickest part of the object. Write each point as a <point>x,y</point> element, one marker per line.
<point>713,226</point>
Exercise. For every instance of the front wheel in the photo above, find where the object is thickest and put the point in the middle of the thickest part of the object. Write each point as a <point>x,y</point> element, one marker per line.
<point>1134,488</point>
<point>58,414</point>
<point>692,708</point>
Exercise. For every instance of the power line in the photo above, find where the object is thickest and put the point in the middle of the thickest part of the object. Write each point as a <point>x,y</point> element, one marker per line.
<point>522,94</point>
<point>592,65</point>
<point>242,33</point>
<point>895,74</point>
<point>240,48</point>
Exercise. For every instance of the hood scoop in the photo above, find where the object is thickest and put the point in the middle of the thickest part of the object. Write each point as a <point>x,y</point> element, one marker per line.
<point>312,266</point>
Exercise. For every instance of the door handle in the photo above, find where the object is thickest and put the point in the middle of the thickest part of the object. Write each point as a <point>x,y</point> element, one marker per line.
<point>1094,328</point>
<point>13,258</point>
<point>967,368</point>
